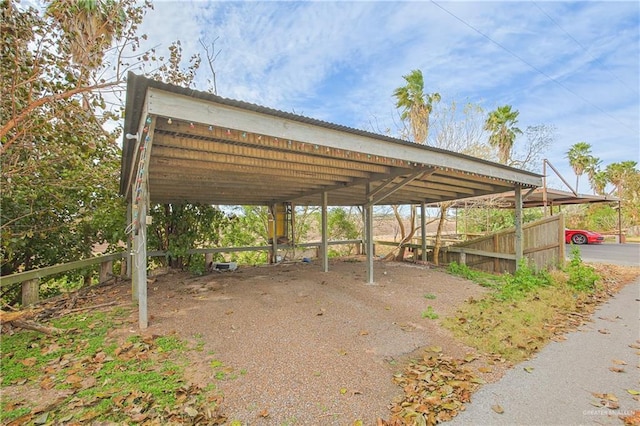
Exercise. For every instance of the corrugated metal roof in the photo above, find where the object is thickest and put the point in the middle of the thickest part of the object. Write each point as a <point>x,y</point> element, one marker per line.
<point>209,149</point>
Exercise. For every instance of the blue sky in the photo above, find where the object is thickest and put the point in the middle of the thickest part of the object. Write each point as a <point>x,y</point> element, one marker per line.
<point>572,65</point>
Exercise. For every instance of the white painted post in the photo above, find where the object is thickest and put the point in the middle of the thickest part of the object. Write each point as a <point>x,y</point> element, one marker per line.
<point>128,259</point>
<point>325,234</point>
<point>368,225</point>
<point>274,240</point>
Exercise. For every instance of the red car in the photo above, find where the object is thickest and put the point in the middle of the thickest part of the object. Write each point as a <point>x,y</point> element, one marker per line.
<point>580,236</point>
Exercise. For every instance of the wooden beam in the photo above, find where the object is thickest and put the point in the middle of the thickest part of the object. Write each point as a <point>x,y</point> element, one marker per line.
<point>206,112</point>
<point>204,146</point>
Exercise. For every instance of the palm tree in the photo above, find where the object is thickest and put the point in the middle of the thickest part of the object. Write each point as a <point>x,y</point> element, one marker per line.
<point>502,125</point>
<point>592,168</point>
<point>600,181</point>
<point>416,106</point>
<point>90,26</point>
<point>580,157</point>
<point>620,173</point>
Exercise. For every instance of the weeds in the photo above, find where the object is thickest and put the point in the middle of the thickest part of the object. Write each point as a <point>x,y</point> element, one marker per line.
<point>581,277</point>
<point>430,313</point>
<point>524,310</point>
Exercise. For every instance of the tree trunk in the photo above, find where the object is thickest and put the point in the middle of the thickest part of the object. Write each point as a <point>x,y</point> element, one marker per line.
<point>443,216</point>
<point>404,236</point>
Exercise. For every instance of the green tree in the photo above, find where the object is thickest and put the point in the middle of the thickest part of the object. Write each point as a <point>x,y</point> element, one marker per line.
<point>415,105</point>
<point>592,169</point>
<point>59,166</point>
<point>579,156</point>
<point>501,124</point>
<point>599,182</point>
<point>625,177</point>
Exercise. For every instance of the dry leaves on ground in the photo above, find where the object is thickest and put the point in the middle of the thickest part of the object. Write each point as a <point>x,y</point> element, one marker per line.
<point>435,389</point>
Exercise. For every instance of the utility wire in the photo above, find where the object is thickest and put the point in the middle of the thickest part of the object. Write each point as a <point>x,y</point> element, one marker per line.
<point>530,65</point>
<point>585,49</point>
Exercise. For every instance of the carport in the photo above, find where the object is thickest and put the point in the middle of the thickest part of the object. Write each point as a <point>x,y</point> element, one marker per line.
<point>186,146</point>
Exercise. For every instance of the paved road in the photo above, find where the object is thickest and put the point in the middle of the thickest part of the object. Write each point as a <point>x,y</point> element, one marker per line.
<point>620,254</point>
<point>559,388</point>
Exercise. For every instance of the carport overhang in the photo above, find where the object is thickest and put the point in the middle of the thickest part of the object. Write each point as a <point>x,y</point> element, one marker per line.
<point>185,146</point>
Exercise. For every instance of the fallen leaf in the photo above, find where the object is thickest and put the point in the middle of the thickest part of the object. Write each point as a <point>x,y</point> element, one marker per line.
<point>632,419</point>
<point>47,383</point>
<point>616,369</point>
<point>343,391</point>
<point>28,362</point>
<point>604,331</point>
<point>497,408</point>
<point>191,412</point>
<point>364,332</point>
<point>41,419</point>
<point>618,362</point>
<point>73,379</point>
<point>633,392</point>
<point>528,369</point>
<point>485,370</point>
<point>264,413</point>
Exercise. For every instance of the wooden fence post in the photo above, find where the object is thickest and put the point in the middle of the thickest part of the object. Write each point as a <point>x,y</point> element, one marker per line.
<point>30,291</point>
<point>106,269</point>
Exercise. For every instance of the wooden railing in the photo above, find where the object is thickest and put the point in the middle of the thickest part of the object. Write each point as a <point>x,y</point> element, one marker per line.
<point>31,279</point>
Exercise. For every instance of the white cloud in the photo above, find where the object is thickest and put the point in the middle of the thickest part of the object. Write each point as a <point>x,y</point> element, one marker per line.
<point>341,61</point>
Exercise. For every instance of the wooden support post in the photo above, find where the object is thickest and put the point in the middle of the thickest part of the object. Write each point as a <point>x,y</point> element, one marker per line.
<point>518,225</point>
<point>30,292</point>
<point>106,270</point>
<point>463,258</point>
<point>325,234</point>
<point>208,260</point>
<point>496,261</point>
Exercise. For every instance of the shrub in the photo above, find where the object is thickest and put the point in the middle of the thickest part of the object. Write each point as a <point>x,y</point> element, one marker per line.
<point>581,277</point>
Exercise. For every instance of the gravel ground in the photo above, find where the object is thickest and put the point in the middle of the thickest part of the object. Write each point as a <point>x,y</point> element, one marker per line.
<point>300,346</point>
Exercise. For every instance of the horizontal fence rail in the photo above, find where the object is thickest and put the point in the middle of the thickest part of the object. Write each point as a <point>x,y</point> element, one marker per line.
<point>57,269</point>
<point>65,267</point>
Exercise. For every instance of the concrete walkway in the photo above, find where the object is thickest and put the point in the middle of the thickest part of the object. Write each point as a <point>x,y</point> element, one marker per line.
<point>558,387</point>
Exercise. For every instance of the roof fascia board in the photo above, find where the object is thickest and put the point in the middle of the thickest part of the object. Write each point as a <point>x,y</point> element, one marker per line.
<point>167,104</point>
<point>135,154</point>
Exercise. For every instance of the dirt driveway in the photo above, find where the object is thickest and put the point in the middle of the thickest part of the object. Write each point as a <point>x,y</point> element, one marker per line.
<point>290,344</point>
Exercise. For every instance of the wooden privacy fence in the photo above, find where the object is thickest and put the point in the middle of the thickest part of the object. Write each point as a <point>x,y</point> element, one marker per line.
<point>31,279</point>
<point>543,247</point>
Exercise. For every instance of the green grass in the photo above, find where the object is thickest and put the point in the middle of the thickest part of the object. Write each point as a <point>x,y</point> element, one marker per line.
<point>109,380</point>
<point>523,311</point>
